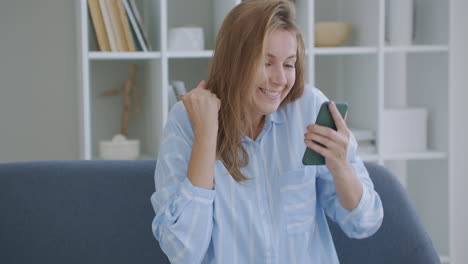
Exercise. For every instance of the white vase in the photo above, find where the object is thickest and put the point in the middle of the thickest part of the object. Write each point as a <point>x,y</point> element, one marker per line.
<point>186,38</point>
<point>119,148</point>
<point>399,21</point>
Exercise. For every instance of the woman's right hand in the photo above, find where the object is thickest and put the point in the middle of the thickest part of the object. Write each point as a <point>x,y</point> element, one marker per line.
<point>202,106</point>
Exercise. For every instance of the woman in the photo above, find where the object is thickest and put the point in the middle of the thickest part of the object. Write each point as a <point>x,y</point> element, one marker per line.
<point>230,184</point>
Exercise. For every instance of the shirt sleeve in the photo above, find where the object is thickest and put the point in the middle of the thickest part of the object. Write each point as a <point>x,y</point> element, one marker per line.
<point>183,219</point>
<point>364,220</point>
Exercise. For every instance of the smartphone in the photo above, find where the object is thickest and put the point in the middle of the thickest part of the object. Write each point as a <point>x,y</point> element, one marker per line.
<point>324,118</point>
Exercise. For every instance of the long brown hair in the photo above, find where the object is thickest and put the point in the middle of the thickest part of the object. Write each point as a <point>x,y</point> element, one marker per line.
<point>238,58</point>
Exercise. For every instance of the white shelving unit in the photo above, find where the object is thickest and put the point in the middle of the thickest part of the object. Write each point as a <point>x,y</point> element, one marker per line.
<point>370,74</point>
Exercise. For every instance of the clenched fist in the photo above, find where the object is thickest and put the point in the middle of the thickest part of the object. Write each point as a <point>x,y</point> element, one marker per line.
<point>202,106</point>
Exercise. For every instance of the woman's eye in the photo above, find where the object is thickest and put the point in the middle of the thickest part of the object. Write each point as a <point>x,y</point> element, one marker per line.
<point>268,64</point>
<point>289,65</point>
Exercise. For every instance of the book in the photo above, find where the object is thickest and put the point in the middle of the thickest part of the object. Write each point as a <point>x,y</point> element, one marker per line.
<point>139,20</point>
<point>98,25</point>
<point>117,25</point>
<point>135,27</point>
<point>172,97</point>
<point>179,88</point>
<point>125,26</point>
<point>108,24</point>
<point>363,134</point>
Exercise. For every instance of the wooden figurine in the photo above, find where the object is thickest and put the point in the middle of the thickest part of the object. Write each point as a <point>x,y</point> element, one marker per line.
<point>129,92</point>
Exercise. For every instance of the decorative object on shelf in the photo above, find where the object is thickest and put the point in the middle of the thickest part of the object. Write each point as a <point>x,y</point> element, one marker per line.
<point>404,130</point>
<point>365,139</point>
<point>189,38</point>
<point>179,88</point>
<point>331,33</point>
<point>129,92</point>
<point>176,90</point>
<point>172,99</point>
<point>119,148</point>
<point>399,15</point>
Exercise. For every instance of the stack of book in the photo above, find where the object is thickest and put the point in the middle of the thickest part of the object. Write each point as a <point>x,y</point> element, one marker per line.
<point>366,140</point>
<point>176,90</point>
<point>118,25</point>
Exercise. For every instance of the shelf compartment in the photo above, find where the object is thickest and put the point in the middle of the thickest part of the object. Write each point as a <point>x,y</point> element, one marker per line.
<point>429,22</point>
<point>418,80</point>
<point>365,24</point>
<point>150,13</point>
<point>194,13</point>
<point>303,18</point>
<point>190,71</point>
<point>106,110</point>
<point>97,55</point>
<point>428,88</point>
<point>353,79</point>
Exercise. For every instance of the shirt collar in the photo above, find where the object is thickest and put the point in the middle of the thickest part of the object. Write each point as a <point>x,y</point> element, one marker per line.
<point>276,117</point>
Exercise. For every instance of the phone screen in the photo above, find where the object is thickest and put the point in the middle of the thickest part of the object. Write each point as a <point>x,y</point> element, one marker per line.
<point>324,118</point>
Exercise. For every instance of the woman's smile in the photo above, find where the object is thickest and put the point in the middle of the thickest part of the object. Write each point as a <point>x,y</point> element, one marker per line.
<point>271,94</point>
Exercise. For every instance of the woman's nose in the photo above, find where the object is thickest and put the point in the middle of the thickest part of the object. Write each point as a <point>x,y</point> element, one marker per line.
<point>277,76</point>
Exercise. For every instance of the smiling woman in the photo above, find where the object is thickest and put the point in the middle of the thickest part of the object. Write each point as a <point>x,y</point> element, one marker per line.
<point>274,83</point>
<point>230,184</point>
<point>259,48</point>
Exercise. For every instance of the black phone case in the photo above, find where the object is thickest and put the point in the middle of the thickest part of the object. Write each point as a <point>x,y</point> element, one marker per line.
<point>324,118</point>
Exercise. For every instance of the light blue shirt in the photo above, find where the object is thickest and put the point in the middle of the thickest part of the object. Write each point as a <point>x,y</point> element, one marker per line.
<point>277,216</point>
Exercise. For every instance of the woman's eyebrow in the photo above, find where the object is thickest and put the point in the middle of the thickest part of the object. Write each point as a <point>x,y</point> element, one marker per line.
<point>273,56</point>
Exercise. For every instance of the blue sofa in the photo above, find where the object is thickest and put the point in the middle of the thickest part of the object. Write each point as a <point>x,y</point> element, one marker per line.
<point>100,212</point>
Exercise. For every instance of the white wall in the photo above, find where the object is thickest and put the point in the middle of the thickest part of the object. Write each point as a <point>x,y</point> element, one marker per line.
<point>38,87</point>
<point>459,132</point>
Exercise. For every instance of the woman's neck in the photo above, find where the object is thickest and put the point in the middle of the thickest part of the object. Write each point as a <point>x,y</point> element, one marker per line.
<point>256,127</point>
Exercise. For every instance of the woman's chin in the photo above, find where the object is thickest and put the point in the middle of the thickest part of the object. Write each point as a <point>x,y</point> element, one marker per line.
<point>268,109</point>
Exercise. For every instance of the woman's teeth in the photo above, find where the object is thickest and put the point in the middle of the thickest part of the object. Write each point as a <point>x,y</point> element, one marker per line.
<point>269,93</point>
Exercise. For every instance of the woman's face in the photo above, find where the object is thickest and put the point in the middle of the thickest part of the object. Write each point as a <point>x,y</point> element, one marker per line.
<point>279,74</point>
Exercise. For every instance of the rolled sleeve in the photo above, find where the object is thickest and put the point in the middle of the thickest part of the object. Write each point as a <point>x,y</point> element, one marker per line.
<point>366,218</point>
<point>183,220</point>
<point>196,193</point>
<point>345,215</point>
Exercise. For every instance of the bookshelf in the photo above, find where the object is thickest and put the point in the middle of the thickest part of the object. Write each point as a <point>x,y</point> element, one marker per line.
<point>368,72</point>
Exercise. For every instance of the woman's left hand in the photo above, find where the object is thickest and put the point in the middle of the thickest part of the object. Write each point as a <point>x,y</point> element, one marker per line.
<point>334,144</point>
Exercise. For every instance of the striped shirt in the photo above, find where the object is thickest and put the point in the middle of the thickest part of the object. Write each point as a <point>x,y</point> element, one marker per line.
<point>277,216</point>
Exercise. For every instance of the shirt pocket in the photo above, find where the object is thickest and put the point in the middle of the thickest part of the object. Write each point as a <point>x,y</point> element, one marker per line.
<point>299,200</point>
